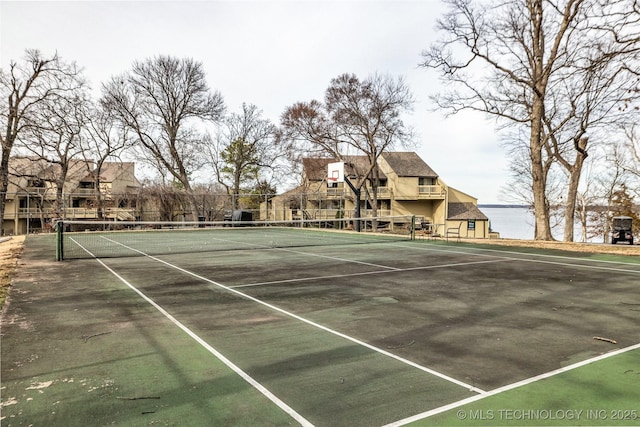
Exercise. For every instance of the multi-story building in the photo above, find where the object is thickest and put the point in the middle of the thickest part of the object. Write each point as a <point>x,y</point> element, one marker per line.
<point>407,186</point>
<point>37,194</point>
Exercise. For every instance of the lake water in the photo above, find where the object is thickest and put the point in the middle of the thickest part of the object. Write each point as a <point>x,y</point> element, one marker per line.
<point>518,223</point>
<point>511,223</point>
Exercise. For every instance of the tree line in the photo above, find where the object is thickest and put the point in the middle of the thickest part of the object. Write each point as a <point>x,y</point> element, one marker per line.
<point>560,77</point>
<point>163,114</point>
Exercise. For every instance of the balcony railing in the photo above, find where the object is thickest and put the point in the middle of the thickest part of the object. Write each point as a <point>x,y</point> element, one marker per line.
<point>41,190</point>
<point>121,214</point>
<point>423,192</point>
<point>431,191</point>
<point>345,213</point>
<point>84,192</point>
<point>337,193</point>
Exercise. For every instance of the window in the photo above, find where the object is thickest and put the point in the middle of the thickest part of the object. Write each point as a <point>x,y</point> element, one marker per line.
<point>37,183</point>
<point>471,224</point>
<point>426,181</point>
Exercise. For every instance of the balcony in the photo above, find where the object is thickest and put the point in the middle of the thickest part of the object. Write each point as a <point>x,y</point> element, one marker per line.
<point>335,193</point>
<point>84,192</point>
<point>329,214</point>
<point>424,192</point>
<point>431,192</point>
<point>341,193</point>
<point>41,190</point>
<point>384,193</point>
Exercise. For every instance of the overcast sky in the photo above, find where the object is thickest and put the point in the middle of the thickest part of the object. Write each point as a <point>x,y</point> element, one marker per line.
<point>271,54</point>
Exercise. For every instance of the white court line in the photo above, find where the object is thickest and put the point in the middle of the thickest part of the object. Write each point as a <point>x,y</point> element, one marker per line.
<point>508,387</point>
<point>299,418</point>
<point>366,273</point>
<point>253,245</point>
<point>338,259</point>
<point>307,321</point>
<point>564,264</point>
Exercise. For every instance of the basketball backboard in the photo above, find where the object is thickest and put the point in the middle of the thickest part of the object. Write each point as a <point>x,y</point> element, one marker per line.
<point>335,172</point>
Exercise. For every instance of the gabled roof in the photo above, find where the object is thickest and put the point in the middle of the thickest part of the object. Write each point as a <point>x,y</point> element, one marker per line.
<point>315,168</point>
<point>408,164</point>
<point>36,167</point>
<point>110,171</point>
<point>464,211</point>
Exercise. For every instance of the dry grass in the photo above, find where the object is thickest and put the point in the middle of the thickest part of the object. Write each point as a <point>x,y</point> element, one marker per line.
<point>9,253</point>
<point>595,248</point>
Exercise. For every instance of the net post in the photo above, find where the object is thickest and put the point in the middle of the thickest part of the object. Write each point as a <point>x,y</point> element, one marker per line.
<point>413,227</point>
<point>59,244</point>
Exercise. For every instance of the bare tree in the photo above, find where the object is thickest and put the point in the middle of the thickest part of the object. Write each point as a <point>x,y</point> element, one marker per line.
<point>104,138</point>
<point>246,152</point>
<point>589,210</point>
<point>614,176</point>
<point>515,58</point>
<point>55,136</point>
<point>161,202</point>
<point>162,100</point>
<point>630,161</point>
<point>23,86</point>
<point>362,117</point>
<point>581,111</point>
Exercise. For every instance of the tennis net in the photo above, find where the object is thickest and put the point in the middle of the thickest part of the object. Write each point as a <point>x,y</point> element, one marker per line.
<point>101,239</point>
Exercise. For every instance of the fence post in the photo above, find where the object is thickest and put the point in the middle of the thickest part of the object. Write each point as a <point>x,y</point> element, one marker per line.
<point>413,227</point>
<point>59,244</point>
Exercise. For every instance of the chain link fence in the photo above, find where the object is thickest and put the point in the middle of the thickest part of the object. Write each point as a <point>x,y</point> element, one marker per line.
<point>36,211</point>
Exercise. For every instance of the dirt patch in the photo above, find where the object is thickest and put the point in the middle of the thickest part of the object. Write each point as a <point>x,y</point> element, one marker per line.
<point>10,251</point>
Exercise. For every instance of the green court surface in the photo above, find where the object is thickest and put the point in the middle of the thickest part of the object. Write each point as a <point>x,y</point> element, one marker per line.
<point>366,333</point>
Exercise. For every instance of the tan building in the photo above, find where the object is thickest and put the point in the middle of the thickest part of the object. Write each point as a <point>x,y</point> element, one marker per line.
<point>407,186</point>
<point>37,195</point>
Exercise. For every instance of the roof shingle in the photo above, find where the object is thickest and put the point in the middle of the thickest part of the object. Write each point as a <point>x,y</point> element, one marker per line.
<point>465,211</point>
<point>408,164</point>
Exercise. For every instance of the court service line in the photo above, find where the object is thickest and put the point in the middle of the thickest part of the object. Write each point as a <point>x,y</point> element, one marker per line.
<point>366,273</point>
<point>540,261</point>
<point>307,321</point>
<point>508,387</point>
<point>339,259</point>
<point>262,389</point>
<point>306,253</point>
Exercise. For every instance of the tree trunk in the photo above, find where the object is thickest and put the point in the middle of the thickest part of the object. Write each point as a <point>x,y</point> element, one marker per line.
<point>572,194</point>
<point>96,183</point>
<point>4,183</point>
<point>539,179</point>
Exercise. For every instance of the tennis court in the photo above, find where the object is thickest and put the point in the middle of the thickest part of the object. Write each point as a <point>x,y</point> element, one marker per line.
<point>342,328</point>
